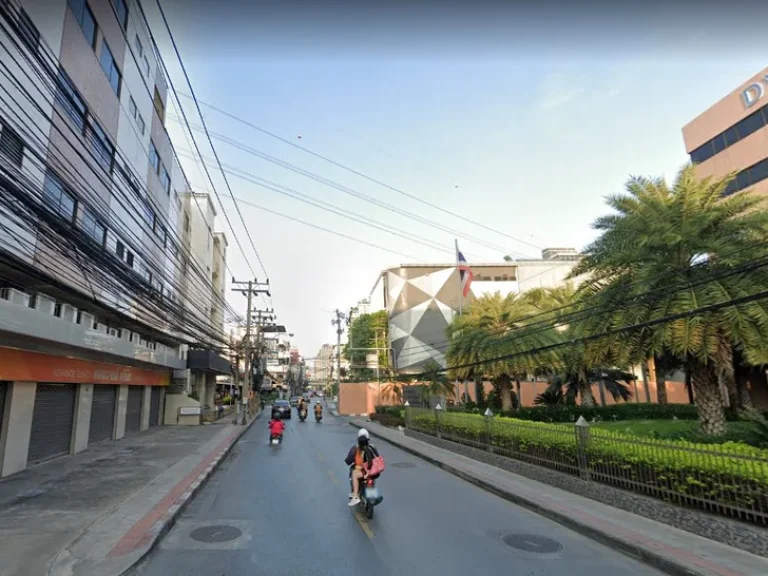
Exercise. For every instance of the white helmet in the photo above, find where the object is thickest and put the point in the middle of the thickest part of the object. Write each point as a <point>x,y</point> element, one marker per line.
<point>363,433</point>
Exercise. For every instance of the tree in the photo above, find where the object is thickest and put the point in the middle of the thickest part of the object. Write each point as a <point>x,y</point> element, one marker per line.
<point>366,331</point>
<point>673,250</point>
<point>436,383</point>
<point>492,333</point>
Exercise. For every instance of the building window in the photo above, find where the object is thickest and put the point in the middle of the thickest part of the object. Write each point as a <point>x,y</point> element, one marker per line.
<point>729,137</point>
<point>146,66</point>
<point>129,258</point>
<point>186,222</point>
<point>165,179</point>
<point>70,100</point>
<point>91,226</point>
<point>11,146</point>
<point>120,250</point>
<point>110,68</point>
<point>154,158</point>
<point>747,177</point>
<point>121,10</point>
<point>140,123</point>
<point>139,46</point>
<point>85,18</point>
<point>29,32</point>
<point>132,107</point>
<point>159,106</point>
<point>100,145</point>
<point>149,215</point>
<point>57,198</point>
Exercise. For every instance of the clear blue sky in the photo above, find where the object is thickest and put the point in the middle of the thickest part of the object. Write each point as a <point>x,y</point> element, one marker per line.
<point>527,142</point>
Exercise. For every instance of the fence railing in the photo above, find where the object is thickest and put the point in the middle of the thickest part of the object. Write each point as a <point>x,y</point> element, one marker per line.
<point>728,479</point>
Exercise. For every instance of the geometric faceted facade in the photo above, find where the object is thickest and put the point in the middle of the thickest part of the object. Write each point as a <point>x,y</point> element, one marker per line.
<point>421,302</point>
<point>422,299</point>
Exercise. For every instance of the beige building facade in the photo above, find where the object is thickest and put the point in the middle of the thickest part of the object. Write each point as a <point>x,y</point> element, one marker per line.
<point>732,136</point>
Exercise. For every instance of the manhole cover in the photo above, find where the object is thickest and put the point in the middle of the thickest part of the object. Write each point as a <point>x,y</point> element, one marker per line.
<point>532,543</point>
<point>403,465</point>
<point>215,534</point>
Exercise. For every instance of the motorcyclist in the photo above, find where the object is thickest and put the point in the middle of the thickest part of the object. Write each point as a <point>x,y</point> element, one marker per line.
<point>276,427</point>
<point>318,409</point>
<point>359,460</point>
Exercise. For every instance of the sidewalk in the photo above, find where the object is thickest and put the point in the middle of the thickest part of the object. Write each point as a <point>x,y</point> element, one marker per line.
<point>667,548</point>
<point>97,513</point>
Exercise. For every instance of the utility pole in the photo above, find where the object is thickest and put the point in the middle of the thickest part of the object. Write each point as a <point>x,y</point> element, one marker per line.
<point>254,287</point>
<point>340,317</point>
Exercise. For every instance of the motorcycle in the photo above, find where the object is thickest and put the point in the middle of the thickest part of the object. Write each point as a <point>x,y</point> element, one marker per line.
<point>318,417</point>
<point>369,496</point>
<point>275,439</point>
<point>303,415</point>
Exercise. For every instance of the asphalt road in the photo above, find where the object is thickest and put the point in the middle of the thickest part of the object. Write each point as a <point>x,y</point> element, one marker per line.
<point>283,511</point>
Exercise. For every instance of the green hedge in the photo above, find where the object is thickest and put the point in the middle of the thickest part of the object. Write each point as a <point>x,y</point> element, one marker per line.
<point>387,419</point>
<point>708,476</point>
<point>624,411</point>
<point>393,410</point>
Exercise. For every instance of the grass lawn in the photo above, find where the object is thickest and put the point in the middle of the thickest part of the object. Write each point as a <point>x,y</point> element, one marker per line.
<point>682,429</point>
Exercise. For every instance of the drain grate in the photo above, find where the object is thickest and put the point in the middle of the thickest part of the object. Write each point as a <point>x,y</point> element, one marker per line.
<point>215,534</point>
<point>532,543</point>
<point>403,465</point>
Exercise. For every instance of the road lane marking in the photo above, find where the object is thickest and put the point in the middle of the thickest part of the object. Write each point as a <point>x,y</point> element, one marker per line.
<point>364,525</point>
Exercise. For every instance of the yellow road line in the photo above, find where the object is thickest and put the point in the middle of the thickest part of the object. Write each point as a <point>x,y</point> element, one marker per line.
<point>364,525</point>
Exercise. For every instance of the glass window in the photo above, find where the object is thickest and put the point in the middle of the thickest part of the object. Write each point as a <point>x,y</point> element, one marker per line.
<point>718,143</point>
<point>759,171</point>
<point>148,214</point>
<point>146,66</point>
<point>129,259</point>
<point>154,158</point>
<point>742,180</point>
<point>70,100</point>
<point>93,227</point>
<point>752,123</point>
<point>11,146</point>
<point>165,179</point>
<point>702,153</point>
<point>100,145</point>
<point>110,68</point>
<point>140,124</point>
<point>57,198</point>
<point>120,250</point>
<point>159,106</point>
<point>132,107</point>
<point>732,135</point>
<point>731,188</point>
<point>121,9</point>
<point>29,32</point>
<point>139,46</point>
<point>85,18</point>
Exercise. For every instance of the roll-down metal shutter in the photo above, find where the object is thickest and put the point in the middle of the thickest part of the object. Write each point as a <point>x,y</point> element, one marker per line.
<point>133,410</point>
<point>52,420</point>
<point>102,413</point>
<point>154,406</point>
<point>3,392</point>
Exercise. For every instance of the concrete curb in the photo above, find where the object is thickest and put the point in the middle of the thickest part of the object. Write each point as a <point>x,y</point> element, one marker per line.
<point>634,550</point>
<point>167,520</point>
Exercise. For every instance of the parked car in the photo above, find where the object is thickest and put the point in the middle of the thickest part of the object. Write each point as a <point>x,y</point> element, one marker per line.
<point>281,409</point>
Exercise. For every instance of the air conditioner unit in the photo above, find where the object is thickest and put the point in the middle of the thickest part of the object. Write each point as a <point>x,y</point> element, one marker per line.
<point>86,320</point>
<point>45,304</point>
<point>68,313</point>
<point>18,297</point>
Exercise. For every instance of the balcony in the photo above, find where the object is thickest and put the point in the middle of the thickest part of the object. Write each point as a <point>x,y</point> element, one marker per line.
<point>58,324</point>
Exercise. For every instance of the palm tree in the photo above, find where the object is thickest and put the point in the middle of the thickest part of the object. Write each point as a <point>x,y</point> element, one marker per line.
<point>493,333</point>
<point>436,383</point>
<point>667,251</point>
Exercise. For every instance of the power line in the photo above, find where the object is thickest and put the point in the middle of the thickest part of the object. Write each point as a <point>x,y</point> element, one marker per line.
<point>210,141</point>
<point>363,175</point>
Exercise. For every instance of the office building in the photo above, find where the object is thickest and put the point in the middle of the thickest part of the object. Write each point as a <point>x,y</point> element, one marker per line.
<point>732,136</point>
<point>95,323</point>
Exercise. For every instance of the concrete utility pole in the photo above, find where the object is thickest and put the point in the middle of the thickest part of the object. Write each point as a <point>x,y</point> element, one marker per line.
<point>340,317</point>
<point>253,288</point>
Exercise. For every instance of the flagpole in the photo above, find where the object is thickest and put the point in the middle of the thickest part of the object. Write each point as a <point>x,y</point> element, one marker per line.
<point>461,294</point>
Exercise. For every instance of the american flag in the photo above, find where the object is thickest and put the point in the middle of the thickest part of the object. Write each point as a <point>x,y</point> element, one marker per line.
<point>465,272</point>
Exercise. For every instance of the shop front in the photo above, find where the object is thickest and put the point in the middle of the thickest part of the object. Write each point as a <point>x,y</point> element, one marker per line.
<point>57,405</point>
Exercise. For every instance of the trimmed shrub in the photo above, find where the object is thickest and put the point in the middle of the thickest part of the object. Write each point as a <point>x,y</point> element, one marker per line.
<point>709,476</point>
<point>387,419</point>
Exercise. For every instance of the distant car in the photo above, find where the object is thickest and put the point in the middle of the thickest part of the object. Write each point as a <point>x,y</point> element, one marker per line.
<point>295,400</point>
<point>281,409</point>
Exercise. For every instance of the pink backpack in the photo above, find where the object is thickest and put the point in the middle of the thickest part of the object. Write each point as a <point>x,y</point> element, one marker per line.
<point>377,466</point>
